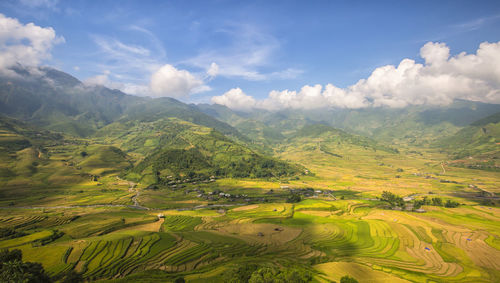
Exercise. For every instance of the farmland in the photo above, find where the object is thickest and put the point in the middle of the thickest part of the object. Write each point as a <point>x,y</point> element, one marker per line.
<point>100,186</point>
<point>340,226</point>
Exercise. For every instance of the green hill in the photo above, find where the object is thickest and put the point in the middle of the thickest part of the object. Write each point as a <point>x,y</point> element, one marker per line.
<point>475,146</point>
<point>412,125</point>
<point>173,147</point>
<point>329,139</point>
<point>59,102</point>
<point>23,148</point>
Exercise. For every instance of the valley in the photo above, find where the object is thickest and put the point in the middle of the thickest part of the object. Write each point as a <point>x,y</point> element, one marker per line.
<point>160,199</point>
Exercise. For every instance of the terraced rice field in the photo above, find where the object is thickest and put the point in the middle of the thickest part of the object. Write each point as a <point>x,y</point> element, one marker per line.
<point>353,236</point>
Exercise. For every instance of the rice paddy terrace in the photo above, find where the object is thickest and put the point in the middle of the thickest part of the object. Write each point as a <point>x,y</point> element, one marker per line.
<point>321,236</point>
<point>80,214</point>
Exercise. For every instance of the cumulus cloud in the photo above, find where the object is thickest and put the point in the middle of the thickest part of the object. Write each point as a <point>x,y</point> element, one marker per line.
<point>26,44</point>
<point>438,81</point>
<point>235,99</point>
<point>169,81</point>
<point>166,81</point>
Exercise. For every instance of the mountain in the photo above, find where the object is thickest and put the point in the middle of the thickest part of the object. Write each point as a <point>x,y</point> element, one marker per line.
<point>477,145</point>
<point>104,131</point>
<point>412,125</point>
<point>174,147</point>
<point>326,136</point>
<point>57,101</point>
<point>23,148</point>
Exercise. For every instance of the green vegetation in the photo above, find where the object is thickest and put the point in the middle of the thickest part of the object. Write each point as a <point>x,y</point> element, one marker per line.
<point>107,187</point>
<point>13,269</point>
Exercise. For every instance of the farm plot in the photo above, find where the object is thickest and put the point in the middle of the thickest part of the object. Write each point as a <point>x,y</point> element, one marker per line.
<point>177,223</point>
<point>118,254</point>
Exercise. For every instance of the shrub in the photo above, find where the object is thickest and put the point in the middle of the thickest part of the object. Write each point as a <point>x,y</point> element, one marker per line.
<point>451,203</point>
<point>13,269</point>
<point>437,201</point>
<point>292,198</point>
<point>348,279</point>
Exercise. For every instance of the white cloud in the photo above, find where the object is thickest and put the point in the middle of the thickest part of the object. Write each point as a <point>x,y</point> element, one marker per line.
<point>98,80</point>
<point>104,80</point>
<point>248,51</point>
<point>26,44</point>
<point>235,99</point>
<point>438,81</point>
<point>213,70</point>
<point>169,81</point>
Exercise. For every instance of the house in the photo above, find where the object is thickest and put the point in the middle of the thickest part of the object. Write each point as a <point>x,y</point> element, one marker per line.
<point>408,198</point>
<point>284,187</point>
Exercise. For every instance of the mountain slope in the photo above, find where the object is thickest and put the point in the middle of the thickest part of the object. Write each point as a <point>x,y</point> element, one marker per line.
<point>476,146</point>
<point>329,137</point>
<point>173,147</point>
<point>57,101</point>
<point>412,125</point>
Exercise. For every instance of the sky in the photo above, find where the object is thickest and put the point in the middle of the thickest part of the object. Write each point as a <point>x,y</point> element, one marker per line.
<point>265,54</point>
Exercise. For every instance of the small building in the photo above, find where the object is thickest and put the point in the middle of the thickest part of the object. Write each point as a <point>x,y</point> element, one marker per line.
<point>161,215</point>
<point>284,187</point>
<point>420,210</point>
<point>408,198</point>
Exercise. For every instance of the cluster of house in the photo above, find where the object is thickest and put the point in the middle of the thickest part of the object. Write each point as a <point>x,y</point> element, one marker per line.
<point>178,182</point>
<point>308,192</point>
<point>217,195</point>
<point>409,206</point>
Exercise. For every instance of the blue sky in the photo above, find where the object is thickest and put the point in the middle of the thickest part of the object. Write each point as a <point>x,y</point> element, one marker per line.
<point>258,46</point>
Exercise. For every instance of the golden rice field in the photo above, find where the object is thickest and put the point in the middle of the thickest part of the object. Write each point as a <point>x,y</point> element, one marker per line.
<point>348,231</point>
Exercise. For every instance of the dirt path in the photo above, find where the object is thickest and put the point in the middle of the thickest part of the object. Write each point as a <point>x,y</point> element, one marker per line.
<point>135,199</point>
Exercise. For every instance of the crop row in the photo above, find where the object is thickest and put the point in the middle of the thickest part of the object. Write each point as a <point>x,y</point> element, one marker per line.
<point>180,223</point>
<point>20,221</point>
<point>113,257</point>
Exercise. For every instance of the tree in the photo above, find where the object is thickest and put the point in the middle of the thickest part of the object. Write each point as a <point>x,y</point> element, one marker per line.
<point>240,274</point>
<point>264,275</point>
<point>273,275</point>
<point>6,256</point>
<point>28,272</point>
<point>451,203</point>
<point>348,279</point>
<point>437,201</point>
<point>426,200</point>
<point>392,199</point>
<point>13,269</point>
<point>293,198</point>
<point>418,204</point>
<point>72,277</point>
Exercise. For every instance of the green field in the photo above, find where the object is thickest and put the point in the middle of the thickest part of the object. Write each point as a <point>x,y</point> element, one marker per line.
<point>156,190</point>
<point>339,226</point>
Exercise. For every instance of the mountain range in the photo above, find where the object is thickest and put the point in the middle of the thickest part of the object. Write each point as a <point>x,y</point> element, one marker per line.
<point>148,139</point>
